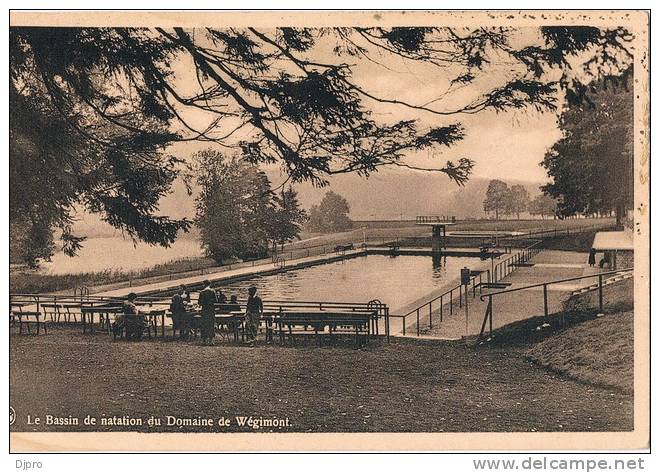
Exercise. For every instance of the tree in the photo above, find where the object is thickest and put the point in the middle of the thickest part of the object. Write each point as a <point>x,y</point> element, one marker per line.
<point>234,207</point>
<point>58,168</point>
<point>113,103</point>
<point>288,217</point>
<point>543,205</point>
<point>497,197</point>
<point>331,215</point>
<point>592,164</point>
<point>518,200</point>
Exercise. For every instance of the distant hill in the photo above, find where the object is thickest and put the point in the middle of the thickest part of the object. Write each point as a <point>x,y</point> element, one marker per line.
<point>389,194</point>
<point>393,194</point>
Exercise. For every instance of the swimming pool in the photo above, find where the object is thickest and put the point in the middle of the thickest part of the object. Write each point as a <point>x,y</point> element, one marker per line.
<point>395,281</point>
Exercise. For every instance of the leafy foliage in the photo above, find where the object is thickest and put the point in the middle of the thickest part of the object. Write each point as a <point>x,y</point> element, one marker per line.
<point>288,217</point>
<point>93,109</point>
<point>237,212</point>
<point>497,197</point>
<point>517,200</point>
<point>592,164</point>
<point>543,205</point>
<point>233,208</point>
<point>330,215</point>
<point>69,151</point>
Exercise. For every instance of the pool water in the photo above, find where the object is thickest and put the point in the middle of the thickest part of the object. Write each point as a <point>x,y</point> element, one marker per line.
<point>395,281</point>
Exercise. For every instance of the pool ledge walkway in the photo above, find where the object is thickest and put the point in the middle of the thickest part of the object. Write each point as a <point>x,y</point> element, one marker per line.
<point>224,275</point>
<point>548,265</point>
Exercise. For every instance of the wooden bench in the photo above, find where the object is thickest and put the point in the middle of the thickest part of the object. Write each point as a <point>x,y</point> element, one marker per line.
<point>28,318</point>
<point>342,249</point>
<point>290,324</point>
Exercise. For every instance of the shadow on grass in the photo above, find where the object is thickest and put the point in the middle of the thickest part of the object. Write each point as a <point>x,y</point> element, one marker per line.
<point>536,329</point>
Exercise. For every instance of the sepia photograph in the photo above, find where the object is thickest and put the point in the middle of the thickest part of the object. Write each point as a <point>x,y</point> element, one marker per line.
<point>423,230</point>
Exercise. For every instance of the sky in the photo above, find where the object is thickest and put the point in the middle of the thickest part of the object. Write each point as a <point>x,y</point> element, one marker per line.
<point>505,145</point>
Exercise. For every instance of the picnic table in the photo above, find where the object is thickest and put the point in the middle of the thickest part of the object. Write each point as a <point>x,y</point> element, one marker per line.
<point>230,319</point>
<point>154,318</point>
<point>55,310</point>
<point>233,321</point>
<point>103,310</point>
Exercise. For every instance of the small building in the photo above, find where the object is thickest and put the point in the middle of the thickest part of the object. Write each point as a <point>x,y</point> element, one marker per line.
<point>617,249</point>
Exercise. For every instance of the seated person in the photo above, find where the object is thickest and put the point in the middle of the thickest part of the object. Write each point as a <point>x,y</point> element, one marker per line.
<point>130,320</point>
<point>220,298</point>
<point>185,295</point>
<point>233,305</point>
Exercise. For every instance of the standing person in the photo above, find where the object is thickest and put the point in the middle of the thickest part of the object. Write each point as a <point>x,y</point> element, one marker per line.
<point>253,310</point>
<point>207,303</point>
<point>592,257</point>
<point>179,313</point>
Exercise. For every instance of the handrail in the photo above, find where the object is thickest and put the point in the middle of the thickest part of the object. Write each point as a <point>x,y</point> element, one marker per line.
<point>488,316</point>
<point>522,254</point>
<point>449,293</point>
<point>548,283</point>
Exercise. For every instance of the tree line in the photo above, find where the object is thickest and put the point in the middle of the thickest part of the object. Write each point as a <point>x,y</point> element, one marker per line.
<point>241,216</point>
<point>591,166</point>
<point>504,200</point>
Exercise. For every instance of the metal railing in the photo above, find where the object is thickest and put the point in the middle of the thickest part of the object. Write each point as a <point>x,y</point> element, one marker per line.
<point>498,271</point>
<point>440,300</point>
<point>435,219</point>
<point>488,317</point>
<point>506,266</point>
<point>43,301</point>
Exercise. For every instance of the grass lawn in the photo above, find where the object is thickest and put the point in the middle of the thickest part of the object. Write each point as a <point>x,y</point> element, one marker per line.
<point>597,351</point>
<point>407,385</point>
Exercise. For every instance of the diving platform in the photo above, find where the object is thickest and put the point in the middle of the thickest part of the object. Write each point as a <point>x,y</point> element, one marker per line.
<point>409,251</point>
<point>438,226</point>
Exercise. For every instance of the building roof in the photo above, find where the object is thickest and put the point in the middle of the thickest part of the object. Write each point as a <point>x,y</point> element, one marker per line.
<point>613,241</point>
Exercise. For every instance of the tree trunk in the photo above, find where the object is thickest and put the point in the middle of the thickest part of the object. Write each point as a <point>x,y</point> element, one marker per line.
<point>620,211</point>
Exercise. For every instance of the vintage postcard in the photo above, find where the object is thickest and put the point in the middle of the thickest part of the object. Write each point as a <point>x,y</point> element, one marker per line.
<point>329,231</point>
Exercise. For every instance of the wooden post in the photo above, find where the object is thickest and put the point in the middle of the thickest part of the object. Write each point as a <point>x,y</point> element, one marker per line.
<point>418,321</point>
<point>430,315</point>
<point>545,300</point>
<point>600,293</point>
<point>467,313</point>
<point>451,302</point>
<point>441,308</point>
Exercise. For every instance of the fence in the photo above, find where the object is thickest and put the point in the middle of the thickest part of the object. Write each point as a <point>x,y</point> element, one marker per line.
<point>488,317</point>
<point>39,301</point>
<point>499,271</point>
